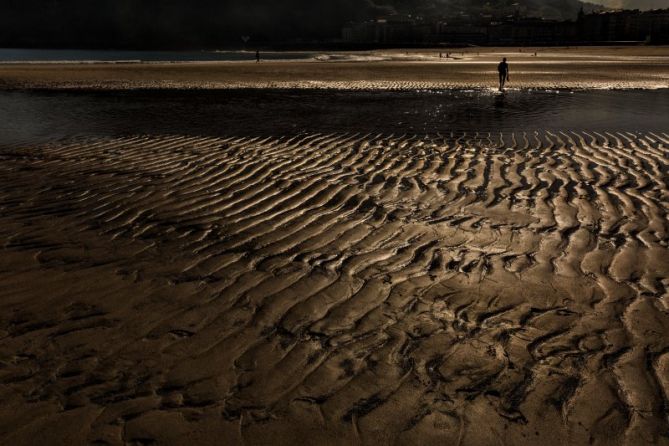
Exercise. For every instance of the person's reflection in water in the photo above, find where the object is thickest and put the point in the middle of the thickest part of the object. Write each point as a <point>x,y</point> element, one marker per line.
<point>500,101</point>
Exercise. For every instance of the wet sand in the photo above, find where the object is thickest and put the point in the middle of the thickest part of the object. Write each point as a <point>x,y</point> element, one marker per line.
<point>553,68</point>
<point>327,268</point>
<point>336,289</point>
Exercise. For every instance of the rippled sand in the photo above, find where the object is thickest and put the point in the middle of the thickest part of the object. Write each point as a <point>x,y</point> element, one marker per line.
<point>333,288</point>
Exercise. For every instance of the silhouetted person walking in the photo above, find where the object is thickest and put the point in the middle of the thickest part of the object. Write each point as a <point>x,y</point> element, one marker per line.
<point>257,56</point>
<point>503,69</point>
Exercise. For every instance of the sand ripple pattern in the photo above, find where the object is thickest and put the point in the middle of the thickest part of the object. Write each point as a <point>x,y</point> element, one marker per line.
<point>466,289</point>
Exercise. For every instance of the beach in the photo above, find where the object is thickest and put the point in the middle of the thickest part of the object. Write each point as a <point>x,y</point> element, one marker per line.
<point>331,255</point>
<point>551,68</point>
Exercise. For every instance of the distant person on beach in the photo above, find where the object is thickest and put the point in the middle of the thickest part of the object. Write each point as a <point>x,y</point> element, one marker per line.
<point>257,56</point>
<point>503,69</point>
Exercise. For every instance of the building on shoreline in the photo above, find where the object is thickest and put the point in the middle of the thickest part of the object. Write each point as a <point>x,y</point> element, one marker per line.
<point>594,28</point>
<point>630,26</point>
<point>395,28</point>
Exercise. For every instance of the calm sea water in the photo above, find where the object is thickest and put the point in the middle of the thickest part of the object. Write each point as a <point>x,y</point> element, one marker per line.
<point>40,116</point>
<point>58,55</point>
